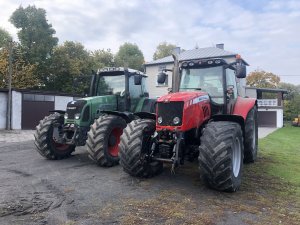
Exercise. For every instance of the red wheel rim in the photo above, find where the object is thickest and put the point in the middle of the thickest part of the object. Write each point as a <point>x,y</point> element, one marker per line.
<point>113,149</point>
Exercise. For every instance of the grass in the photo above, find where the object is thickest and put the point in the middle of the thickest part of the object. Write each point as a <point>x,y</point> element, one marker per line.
<point>282,151</point>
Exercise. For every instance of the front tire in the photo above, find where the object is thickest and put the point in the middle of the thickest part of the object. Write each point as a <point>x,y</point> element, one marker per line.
<point>136,143</point>
<point>251,136</point>
<point>104,138</point>
<point>221,155</point>
<point>44,142</point>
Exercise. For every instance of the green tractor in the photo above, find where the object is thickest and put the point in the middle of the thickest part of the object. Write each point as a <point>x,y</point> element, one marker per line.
<point>116,97</point>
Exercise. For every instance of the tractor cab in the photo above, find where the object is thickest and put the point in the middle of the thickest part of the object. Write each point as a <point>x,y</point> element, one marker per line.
<point>112,89</point>
<point>124,86</point>
<point>215,77</point>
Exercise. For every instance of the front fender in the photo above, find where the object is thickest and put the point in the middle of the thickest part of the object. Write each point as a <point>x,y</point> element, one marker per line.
<point>243,106</point>
<point>127,116</point>
<point>146,115</point>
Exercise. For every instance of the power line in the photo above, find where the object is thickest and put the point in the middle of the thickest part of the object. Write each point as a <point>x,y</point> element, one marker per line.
<point>285,75</point>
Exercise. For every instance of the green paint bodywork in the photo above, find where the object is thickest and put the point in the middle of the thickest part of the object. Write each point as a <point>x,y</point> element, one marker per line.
<point>109,102</point>
<point>98,103</point>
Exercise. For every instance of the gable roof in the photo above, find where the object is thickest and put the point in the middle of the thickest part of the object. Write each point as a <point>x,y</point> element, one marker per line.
<point>200,53</point>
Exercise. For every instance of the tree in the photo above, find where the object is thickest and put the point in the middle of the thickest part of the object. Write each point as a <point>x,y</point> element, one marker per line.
<point>23,73</point>
<point>262,79</point>
<point>69,61</point>
<point>4,37</point>
<point>35,33</point>
<point>130,55</point>
<point>292,90</point>
<point>163,49</point>
<point>102,58</point>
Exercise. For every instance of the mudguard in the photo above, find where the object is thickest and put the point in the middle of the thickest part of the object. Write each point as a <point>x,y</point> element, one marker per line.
<point>146,115</point>
<point>243,106</point>
<point>127,116</point>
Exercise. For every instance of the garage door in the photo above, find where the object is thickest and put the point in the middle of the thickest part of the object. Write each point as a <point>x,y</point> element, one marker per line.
<point>34,108</point>
<point>266,118</point>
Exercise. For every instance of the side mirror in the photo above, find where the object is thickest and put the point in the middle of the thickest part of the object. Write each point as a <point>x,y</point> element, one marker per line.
<point>137,79</point>
<point>161,78</point>
<point>240,70</point>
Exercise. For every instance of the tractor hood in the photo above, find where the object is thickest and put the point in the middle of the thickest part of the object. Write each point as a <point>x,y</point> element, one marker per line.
<point>184,96</point>
<point>83,111</point>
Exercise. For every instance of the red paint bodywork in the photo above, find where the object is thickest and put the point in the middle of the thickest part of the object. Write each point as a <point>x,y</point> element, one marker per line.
<point>243,106</point>
<point>196,109</point>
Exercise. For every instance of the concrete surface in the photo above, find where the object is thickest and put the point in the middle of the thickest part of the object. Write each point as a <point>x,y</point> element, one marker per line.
<point>265,131</point>
<point>75,191</point>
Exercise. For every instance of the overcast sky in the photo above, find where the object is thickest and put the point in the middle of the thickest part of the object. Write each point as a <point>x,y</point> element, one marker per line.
<point>265,32</point>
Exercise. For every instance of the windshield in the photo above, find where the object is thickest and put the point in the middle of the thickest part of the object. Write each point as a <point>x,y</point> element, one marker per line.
<point>209,80</point>
<point>111,85</point>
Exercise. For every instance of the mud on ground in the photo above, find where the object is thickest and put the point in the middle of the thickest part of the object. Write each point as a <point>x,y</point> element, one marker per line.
<point>75,191</point>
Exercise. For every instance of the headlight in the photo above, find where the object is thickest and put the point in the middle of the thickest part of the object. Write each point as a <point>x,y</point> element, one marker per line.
<point>176,120</point>
<point>77,116</point>
<point>159,119</point>
<point>66,116</point>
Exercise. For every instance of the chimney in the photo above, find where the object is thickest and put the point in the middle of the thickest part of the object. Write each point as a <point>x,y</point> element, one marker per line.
<point>220,46</point>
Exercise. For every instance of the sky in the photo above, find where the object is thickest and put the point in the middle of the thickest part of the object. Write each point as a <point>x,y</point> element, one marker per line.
<point>266,33</point>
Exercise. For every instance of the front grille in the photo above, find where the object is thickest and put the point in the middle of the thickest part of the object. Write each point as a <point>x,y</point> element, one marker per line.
<point>168,111</point>
<point>75,107</point>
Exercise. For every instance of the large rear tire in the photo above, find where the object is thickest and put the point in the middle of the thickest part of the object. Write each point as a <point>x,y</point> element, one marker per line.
<point>136,142</point>
<point>104,138</point>
<point>221,155</point>
<point>44,142</point>
<point>251,136</point>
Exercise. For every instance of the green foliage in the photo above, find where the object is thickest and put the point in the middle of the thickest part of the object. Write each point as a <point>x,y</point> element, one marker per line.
<point>262,79</point>
<point>163,49</point>
<point>23,72</point>
<point>4,37</point>
<point>69,61</point>
<point>129,55</point>
<point>35,33</point>
<point>102,58</point>
<point>291,101</point>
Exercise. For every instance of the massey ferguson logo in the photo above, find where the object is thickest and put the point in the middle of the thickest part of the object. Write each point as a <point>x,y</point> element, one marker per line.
<point>200,99</point>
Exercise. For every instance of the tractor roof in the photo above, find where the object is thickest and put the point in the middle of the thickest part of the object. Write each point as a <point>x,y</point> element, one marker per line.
<point>114,71</point>
<point>199,53</point>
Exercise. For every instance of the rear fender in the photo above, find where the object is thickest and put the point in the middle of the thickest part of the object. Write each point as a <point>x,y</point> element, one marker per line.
<point>243,106</point>
<point>127,116</point>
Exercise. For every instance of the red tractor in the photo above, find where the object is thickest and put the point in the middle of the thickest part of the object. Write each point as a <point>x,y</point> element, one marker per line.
<point>202,117</point>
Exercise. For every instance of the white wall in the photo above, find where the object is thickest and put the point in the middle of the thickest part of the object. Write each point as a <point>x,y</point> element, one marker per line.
<point>250,92</point>
<point>152,87</point>
<point>16,110</point>
<point>279,116</point>
<point>61,102</point>
<point>3,109</point>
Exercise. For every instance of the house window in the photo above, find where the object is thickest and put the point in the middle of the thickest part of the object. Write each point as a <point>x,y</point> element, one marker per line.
<point>160,69</point>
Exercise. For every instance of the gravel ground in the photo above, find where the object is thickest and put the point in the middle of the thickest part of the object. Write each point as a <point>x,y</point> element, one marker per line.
<point>75,191</point>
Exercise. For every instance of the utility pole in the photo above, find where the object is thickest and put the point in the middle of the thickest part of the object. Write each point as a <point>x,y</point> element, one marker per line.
<point>10,47</point>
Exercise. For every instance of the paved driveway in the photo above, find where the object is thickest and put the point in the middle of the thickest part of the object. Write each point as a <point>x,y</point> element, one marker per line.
<point>75,191</point>
<point>265,131</point>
